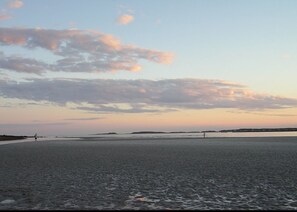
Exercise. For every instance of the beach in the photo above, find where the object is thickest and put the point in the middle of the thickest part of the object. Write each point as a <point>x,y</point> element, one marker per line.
<point>158,173</point>
<point>11,137</point>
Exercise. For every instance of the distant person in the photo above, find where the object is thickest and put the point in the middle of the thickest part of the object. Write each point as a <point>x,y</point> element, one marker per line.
<point>35,136</point>
<point>203,134</point>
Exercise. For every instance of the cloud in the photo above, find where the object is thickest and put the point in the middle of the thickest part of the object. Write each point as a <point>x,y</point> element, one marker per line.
<point>78,50</point>
<point>83,119</point>
<point>263,114</point>
<point>3,76</point>
<point>30,125</point>
<point>5,17</point>
<point>138,96</point>
<point>125,19</point>
<point>117,109</point>
<point>22,64</point>
<point>15,4</point>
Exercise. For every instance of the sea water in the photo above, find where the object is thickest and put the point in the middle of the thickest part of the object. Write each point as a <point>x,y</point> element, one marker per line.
<point>194,135</point>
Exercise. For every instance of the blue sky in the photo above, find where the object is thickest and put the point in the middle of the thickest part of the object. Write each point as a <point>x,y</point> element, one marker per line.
<point>228,40</point>
<point>251,43</point>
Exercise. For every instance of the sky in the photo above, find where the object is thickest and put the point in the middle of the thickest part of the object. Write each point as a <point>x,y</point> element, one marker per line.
<point>78,67</point>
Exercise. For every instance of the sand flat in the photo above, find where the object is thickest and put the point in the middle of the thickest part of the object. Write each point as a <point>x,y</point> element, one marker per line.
<point>214,173</point>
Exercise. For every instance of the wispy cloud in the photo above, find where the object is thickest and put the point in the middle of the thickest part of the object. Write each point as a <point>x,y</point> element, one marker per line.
<point>138,96</point>
<point>84,119</point>
<point>125,19</point>
<point>5,17</point>
<point>117,109</point>
<point>30,125</point>
<point>79,50</point>
<point>264,114</point>
<point>20,64</point>
<point>15,4</point>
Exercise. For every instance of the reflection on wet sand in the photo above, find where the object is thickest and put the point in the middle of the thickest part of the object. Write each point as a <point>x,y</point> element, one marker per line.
<point>217,173</point>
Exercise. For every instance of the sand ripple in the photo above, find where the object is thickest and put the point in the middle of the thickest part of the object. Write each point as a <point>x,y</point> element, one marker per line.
<point>166,176</point>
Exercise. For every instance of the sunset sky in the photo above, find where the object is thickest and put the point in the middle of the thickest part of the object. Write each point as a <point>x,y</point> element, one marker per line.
<point>77,67</point>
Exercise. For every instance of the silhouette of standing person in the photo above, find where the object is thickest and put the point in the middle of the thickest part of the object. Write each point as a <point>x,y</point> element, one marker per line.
<point>35,136</point>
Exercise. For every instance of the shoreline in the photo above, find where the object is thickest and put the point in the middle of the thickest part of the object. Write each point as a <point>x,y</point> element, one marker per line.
<point>11,137</point>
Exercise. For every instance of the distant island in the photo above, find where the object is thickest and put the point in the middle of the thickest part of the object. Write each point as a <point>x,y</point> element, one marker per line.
<point>224,131</point>
<point>158,132</point>
<point>261,130</point>
<point>109,133</point>
<point>147,132</point>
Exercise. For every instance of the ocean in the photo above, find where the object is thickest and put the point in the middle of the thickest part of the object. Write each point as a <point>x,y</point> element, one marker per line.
<point>181,135</point>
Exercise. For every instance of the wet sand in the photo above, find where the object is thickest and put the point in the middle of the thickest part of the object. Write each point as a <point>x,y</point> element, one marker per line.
<point>212,173</point>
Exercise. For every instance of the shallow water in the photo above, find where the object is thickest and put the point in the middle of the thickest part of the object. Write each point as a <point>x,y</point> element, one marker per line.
<point>217,173</point>
<point>196,135</point>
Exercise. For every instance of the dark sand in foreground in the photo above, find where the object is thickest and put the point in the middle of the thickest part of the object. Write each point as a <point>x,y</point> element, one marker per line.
<point>220,173</point>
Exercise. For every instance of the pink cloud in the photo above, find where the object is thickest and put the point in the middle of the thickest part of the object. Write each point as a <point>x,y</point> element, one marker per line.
<point>22,64</point>
<point>111,42</point>
<point>15,4</point>
<point>135,68</point>
<point>81,50</point>
<point>103,95</point>
<point>5,17</point>
<point>125,19</point>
